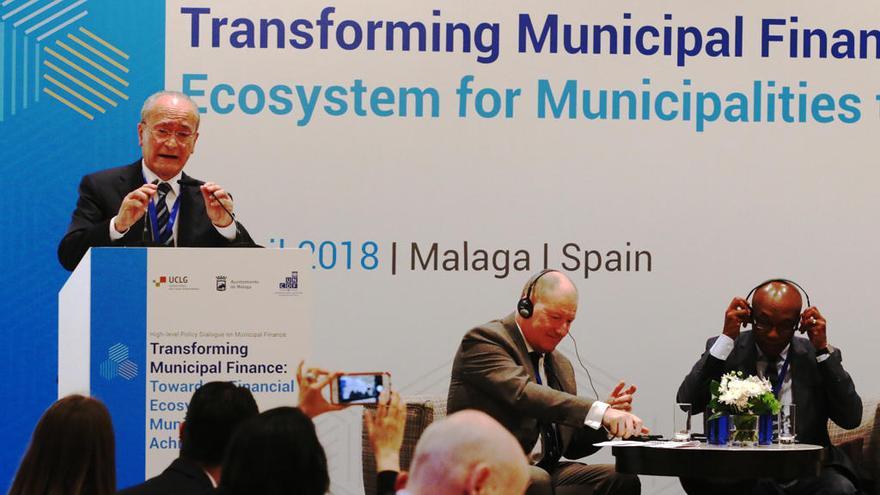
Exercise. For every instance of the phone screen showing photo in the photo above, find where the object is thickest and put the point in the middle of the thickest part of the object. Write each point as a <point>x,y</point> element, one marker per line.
<point>360,389</point>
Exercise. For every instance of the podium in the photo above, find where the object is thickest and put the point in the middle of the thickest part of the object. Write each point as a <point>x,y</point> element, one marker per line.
<point>142,328</point>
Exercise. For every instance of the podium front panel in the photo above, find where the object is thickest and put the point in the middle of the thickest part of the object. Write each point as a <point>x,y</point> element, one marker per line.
<point>162,322</point>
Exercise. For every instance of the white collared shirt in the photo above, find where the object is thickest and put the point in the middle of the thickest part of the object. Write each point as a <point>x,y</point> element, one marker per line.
<point>229,232</point>
<point>213,481</point>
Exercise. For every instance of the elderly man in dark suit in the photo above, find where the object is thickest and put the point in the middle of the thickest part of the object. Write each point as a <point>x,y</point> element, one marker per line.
<point>114,204</point>
<point>511,370</point>
<point>806,372</point>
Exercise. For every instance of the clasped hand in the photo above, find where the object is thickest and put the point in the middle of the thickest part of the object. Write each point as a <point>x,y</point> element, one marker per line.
<point>134,205</point>
<point>618,419</point>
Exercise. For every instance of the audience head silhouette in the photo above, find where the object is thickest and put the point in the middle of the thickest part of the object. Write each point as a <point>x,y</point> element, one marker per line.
<point>275,453</point>
<point>72,451</point>
<point>215,411</point>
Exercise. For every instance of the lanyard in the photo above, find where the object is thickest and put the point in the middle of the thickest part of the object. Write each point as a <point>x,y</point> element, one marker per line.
<point>778,387</point>
<point>154,220</point>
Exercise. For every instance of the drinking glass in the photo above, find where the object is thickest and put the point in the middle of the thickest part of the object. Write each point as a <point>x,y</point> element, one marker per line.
<point>787,424</point>
<point>681,422</point>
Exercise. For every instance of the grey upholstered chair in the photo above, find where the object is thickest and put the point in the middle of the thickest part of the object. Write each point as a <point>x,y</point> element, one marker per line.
<point>420,412</point>
<point>862,444</point>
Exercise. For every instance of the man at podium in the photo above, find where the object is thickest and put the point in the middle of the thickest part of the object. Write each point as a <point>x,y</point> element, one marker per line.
<point>152,202</point>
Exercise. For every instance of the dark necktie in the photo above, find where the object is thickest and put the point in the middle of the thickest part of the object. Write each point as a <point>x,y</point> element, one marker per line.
<point>549,434</point>
<point>164,237</point>
<point>536,361</point>
<point>772,374</point>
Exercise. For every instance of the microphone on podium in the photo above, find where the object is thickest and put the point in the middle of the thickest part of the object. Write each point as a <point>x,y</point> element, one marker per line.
<point>190,182</point>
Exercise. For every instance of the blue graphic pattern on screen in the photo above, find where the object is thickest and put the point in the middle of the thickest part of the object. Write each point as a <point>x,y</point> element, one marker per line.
<point>108,55</point>
<point>119,314</point>
<point>118,364</point>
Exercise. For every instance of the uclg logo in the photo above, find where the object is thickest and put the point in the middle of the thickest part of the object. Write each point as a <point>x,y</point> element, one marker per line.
<point>170,279</point>
<point>118,364</point>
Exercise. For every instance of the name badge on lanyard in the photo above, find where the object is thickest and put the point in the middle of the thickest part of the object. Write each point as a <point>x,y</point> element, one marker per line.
<point>778,387</point>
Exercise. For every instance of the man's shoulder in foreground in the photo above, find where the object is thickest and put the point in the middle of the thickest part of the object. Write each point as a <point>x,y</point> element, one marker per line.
<point>182,477</point>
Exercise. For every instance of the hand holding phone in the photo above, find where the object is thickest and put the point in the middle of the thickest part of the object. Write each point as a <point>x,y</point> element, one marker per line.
<point>311,390</point>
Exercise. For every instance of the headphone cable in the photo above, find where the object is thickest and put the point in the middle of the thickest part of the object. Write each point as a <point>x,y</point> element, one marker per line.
<point>578,354</point>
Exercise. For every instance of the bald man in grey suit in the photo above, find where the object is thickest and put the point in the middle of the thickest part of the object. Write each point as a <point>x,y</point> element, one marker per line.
<point>510,369</point>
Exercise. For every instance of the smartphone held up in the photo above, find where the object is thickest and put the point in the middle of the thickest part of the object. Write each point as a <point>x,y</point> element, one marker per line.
<point>359,388</point>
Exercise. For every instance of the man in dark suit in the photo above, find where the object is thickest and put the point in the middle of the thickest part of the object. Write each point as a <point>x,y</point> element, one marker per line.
<point>114,204</point>
<point>214,412</point>
<point>806,372</point>
<point>510,369</point>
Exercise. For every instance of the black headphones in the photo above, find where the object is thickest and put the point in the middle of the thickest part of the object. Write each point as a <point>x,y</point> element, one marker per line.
<point>782,280</point>
<point>525,307</point>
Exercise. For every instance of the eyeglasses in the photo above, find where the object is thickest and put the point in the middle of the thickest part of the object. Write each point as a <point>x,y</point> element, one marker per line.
<point>765,326</point>
<point>163,134</point>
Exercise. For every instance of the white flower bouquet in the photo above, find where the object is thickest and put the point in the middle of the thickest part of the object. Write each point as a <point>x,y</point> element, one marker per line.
<point>738,395</point>
<point>744,399</point>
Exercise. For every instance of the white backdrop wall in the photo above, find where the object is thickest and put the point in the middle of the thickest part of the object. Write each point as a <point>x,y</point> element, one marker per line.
<point>718,209</point>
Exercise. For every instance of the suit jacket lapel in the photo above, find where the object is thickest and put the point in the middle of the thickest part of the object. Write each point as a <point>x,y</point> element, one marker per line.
<point>798,369</point>
<point>131,178</point>
<point>191,207</point>
<point>563,381</point>
<point>745,355</point>
<point>519,342</point>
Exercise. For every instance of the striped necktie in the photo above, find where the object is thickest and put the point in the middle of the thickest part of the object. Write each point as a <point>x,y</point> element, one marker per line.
<point>164,238</point>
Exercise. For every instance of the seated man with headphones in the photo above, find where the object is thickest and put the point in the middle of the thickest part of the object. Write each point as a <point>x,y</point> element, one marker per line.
<point>807,372</point>
<point>511,370</point>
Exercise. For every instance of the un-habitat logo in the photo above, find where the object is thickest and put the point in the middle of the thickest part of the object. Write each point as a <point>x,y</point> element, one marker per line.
<point>117,364</point>
<point>289,286</point>
<point>291,282</point>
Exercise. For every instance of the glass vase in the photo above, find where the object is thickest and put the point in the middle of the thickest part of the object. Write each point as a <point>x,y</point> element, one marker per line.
<point>744,430</point>
<point>717,430</point>
<point>765,429</point>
